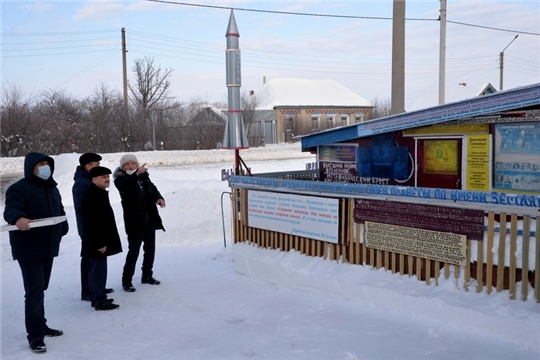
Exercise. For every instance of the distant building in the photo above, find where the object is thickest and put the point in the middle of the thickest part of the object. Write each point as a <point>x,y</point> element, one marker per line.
<point>292,107</point>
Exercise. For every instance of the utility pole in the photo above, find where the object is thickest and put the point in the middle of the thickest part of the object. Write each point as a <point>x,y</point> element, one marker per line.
<point>125,115</point>
<point>501,59</point>
<point>442,53</point>
<point>398,58</point>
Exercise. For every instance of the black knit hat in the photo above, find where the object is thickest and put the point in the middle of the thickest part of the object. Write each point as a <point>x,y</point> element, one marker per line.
<point>87,158</point>
<point>98,171</point>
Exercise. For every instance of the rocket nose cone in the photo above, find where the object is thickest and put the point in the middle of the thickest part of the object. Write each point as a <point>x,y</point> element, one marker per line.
<point>232,29</point>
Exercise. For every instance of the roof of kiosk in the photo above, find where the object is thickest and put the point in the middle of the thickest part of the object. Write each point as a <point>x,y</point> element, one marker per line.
<point>512,99</point>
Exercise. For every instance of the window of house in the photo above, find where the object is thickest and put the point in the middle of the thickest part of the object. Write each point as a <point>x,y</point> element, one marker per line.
<point>331,120</point>
<point>315,122</point>
<point>358,117</point>
<point>289,123</point>
<point>344,119</point>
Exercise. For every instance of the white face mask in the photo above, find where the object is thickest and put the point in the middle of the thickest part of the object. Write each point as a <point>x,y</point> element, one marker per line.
<point>44,172</point>
<point>129,172</point>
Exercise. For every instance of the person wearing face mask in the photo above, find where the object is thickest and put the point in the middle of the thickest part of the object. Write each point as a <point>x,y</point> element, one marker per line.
<point>33,197</point>
<point>141,218</point>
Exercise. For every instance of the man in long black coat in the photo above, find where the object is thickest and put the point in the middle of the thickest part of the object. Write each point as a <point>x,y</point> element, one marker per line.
<point>81,184</point>
<point>35,197</point>
<point>141,217</point>
<point>100,238</point>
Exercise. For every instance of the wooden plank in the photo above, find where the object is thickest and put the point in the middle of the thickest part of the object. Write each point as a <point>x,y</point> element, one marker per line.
<point>410,265</point>
<point>537,265</point>
<point>394,263</point>
<point>489,264</point>
<point>358,245</point>
<point>325,251</point>
<point>479,266</point>
<point>379,258</point>
<point>446,270</point>
<point>402,264</point>
<point>364,247</point>
<point>418,268</point>
<point>501,250</point>
<point>437,272</point>
<point>428,271</point>
<point>513,259</point>
<point>468,266</point>
<point>386,263</point>
<point>525,258</point>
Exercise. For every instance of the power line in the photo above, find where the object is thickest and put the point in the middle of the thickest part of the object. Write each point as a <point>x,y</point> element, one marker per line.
<point>285,12</point>
<point>338,16</point>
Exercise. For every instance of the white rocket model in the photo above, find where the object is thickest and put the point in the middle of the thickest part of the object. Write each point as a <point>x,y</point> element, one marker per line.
<point>235,133</point>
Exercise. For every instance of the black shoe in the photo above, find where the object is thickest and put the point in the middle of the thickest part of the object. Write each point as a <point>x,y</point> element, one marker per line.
<point>128,287</point>
<point>109,300</point>
<point>86,298</point>
<point>108,290</point>
<point>38,346</point>
<point>150,280</point>
<point>53,332</point>
<point>107,306</point>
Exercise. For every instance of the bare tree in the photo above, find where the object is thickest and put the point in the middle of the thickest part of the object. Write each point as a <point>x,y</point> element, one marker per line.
<point>16,115</point>
<point>57,121</point>
<point>150,91</point>
<point>102,132</point>
<point>249,104</point>
<point>382,108</point>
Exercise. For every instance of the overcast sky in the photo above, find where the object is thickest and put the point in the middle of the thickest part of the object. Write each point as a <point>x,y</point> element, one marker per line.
<point>76,45</point>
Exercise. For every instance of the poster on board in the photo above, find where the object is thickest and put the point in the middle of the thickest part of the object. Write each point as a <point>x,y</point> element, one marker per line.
<point>307,216</point>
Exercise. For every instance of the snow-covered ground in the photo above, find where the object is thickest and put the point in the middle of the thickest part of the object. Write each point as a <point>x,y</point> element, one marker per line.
<point>238,301</point>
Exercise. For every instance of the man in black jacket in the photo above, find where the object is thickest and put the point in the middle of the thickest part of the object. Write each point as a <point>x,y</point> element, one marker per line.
<point>100,238</point>
<point>141,218</point>
<point>82,181</point>
<point>35,197</point>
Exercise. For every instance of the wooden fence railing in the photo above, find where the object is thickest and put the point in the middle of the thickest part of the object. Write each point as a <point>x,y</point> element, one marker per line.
<point>494,269</point>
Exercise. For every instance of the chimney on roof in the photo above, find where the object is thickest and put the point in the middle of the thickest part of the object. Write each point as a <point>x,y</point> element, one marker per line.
<point>264,80</point>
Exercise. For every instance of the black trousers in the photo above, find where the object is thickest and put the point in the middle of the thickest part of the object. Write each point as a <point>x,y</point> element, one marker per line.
<point>148,238</point>
<point>98,279</point>
<point>36,274</point>
<point>86,290</point>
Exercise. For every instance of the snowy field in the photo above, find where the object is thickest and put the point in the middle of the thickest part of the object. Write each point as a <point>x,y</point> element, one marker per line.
<point>239,302</point>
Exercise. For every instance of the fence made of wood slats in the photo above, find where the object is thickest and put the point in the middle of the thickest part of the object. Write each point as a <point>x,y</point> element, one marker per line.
<point>488,276</point>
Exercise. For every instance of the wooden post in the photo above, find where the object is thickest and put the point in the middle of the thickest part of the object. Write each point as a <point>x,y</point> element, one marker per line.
<point>500,258</point>
<point>537,265</point>
<point>489,265</point>
<point>525,258</point>
<point>513,260</point>
<point>480,266</point>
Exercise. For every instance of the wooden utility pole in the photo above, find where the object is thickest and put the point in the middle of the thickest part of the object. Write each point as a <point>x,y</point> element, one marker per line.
<point>398,58</point>
<point>125,116</point>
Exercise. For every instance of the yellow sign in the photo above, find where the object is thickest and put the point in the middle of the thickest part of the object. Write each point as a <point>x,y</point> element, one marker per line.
<point>478,162</point>
<point>441,157</point>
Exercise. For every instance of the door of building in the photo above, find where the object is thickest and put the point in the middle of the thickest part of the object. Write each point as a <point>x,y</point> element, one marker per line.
<point>439,163</point>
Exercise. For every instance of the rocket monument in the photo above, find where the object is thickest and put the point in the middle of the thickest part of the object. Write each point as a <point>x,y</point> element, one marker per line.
<point>235,133</point>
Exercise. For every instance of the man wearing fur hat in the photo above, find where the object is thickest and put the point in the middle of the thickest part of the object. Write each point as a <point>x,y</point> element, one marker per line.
<point>82,181</point>
<point>141,218</point>
<point>100,238</point>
